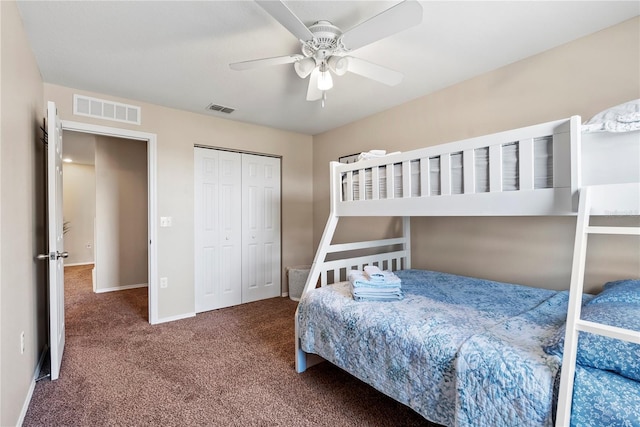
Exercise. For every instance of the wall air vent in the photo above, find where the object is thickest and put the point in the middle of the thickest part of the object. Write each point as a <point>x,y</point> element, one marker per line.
<point>107,110</point>
<point>220,108</point>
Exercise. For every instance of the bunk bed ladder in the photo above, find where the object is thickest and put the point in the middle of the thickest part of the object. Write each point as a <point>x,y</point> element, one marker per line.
<point>600,200</point>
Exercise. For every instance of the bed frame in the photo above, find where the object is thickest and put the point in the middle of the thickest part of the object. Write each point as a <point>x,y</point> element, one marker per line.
<point>350,196</point>
<point>560,199</point>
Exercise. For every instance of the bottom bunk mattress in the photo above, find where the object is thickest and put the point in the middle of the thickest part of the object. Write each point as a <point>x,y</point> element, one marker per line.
<point>459,351</point>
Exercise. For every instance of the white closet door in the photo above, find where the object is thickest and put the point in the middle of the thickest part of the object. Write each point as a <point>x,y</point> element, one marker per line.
<point>217,229</point>
<point>261,227</point>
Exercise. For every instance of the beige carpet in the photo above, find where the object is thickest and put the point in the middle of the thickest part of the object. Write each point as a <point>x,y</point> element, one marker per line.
<point>228,367</point>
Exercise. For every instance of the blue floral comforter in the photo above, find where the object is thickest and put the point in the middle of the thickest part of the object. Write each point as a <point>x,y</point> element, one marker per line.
<point>459,351</point>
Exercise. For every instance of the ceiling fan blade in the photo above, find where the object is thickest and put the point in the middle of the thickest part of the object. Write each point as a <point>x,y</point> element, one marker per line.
<point>265,62</point>
<point>313,93</point>
<point>374,71</point>
<point>286,18</point>
<point>393,20</point>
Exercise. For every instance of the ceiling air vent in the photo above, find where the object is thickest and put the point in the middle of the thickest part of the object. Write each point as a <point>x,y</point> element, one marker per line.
<point>220,108</point>
<point>103,109</point>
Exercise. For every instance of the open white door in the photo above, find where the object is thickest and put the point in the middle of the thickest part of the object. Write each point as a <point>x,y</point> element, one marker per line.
<point>56,243</point>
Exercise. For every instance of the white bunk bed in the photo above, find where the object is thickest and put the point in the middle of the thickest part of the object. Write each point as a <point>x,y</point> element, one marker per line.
<point>537,170</point>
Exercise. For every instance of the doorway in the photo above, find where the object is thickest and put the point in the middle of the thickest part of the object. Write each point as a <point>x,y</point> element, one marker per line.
<point>119,137</point>
<point>105,209</point>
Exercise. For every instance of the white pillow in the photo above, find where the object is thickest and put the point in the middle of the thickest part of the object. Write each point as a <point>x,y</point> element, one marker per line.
<point>621,118</point>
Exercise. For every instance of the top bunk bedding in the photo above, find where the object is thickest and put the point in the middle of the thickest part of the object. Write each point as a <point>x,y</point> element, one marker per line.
<point>535,170</point>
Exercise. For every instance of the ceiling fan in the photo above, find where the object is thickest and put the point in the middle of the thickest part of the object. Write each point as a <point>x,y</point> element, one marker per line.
<point>326,48</point>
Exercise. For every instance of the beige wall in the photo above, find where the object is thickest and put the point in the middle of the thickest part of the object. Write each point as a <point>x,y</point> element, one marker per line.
<point>177,133</point>
<point>79,203</point>
<point>121,213</point>
<point>581,77</point>
<point>22,280</point>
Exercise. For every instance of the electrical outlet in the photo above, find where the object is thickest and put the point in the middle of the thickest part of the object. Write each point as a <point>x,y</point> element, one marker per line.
<point>22,342</point>
<point>164,282</point>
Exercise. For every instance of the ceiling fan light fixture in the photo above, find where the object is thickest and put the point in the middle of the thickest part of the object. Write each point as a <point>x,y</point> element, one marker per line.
<point>325,82</point>
<point>338,64</point>
<point>304,67</point>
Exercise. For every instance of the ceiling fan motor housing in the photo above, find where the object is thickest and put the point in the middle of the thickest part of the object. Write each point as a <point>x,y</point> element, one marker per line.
<point>325,41</point>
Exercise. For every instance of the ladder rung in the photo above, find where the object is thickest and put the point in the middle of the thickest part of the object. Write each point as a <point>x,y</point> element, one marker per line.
<point>633,231</point>
<point>608,331</point>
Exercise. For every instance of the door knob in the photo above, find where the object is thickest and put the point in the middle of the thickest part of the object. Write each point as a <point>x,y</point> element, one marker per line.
<point>52,256</point>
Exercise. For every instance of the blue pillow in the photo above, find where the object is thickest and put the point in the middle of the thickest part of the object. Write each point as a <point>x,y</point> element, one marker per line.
<point>606,353</point>
<point>619,291</point>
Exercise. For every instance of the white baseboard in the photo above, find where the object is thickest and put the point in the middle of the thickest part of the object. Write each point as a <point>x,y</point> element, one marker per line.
<point>32,387</point>
<point>75,264</point>
<point>121,288</point>
<point>285,294</point>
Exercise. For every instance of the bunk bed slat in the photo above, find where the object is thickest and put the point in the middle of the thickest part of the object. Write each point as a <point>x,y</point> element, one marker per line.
<point>343,247</point>
<point>495,168</point>
<point>526,165</point>
<point>406,179</point>
<point>631,231</point>
<point>608,331</point>
<point>362,188</point>
<point>375,183</point>
<point>359,262</point>
<point>390,182</point>
<point>445,174</point>
<point>425,183</point>
<point>349,180</point>
<point>469,171</point>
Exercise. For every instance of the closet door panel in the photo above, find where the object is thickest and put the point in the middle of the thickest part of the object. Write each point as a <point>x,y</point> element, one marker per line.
<point>217,229</point>
<point>271,226</point>
<point>261,226</point>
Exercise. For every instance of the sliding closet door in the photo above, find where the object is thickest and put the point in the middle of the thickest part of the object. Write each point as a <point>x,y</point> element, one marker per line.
<point>218,268</point>
<point>261,227</point>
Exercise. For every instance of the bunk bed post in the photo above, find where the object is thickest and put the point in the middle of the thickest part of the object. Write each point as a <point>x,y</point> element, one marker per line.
<point>318,260</point>
<point>573,311</point>
<point>406,234</point>
<point>576,158</point>
<point>329,230</point>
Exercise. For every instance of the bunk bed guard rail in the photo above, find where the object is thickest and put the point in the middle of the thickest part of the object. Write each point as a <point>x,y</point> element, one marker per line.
<point>469,177</point>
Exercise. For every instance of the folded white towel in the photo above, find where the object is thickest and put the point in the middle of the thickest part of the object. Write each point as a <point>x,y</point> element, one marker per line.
<point>370,290</point>
<point>360,279</point>
<point>394,297</point>
<point>374,273</point>
<point>376,294</point>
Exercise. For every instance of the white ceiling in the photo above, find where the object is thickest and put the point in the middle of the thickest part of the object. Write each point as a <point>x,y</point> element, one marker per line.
<point>177,53</point>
